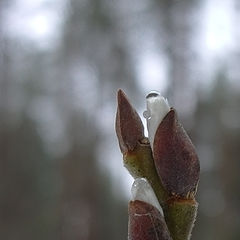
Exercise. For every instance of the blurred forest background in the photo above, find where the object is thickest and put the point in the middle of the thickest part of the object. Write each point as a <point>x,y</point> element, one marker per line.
<point>61,63</point>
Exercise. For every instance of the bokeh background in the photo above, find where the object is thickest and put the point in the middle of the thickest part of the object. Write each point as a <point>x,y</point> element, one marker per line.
<point>61,63</point>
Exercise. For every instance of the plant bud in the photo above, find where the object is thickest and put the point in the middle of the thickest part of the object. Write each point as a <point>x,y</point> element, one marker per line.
<point>157,108</point>
<point>129,127</point>
<point>175,158</point>
<point>146,222</point>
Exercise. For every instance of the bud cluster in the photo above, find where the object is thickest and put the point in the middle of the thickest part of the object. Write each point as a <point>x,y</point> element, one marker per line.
<point>165,167</point>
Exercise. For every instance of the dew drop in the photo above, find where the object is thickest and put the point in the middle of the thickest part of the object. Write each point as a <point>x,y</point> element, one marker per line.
<point>153,94</point>
<point>142,190</point>
<point>146,114</point>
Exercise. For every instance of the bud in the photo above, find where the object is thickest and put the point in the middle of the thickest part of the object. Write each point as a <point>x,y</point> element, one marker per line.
<point>146,222</point>
<point>137,153</point>
<point>175,157</point>
<point>166,169</point>
<point>129,127</point>
<point>157,108</point>
<point>145,214</point>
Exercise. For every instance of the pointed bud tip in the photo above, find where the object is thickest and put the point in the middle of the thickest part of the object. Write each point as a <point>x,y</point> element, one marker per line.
<point>121,95</point>
<point>129,127</point>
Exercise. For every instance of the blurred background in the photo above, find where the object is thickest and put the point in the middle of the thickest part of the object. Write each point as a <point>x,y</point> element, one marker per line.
<point>61,63</point>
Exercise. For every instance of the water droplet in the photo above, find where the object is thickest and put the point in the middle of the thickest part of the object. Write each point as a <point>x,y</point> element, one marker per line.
<point>142,190</point>
<point>146,114</point>
<point>153,94</point>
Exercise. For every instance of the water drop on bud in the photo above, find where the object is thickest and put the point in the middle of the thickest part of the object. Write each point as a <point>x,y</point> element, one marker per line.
<point>153,94</point>
<point>142,190</point>
<point>146,114</point>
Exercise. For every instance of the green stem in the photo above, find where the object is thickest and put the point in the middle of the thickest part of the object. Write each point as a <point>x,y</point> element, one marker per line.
<point>180,216</point>
<point>139,163</point>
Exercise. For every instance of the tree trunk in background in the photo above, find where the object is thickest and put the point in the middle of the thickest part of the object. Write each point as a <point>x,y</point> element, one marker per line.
<point>90,210</point>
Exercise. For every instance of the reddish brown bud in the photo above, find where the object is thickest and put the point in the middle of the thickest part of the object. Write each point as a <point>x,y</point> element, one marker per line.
<point>146,222</point>
<point>175,157</point>
<point>129,127</point>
